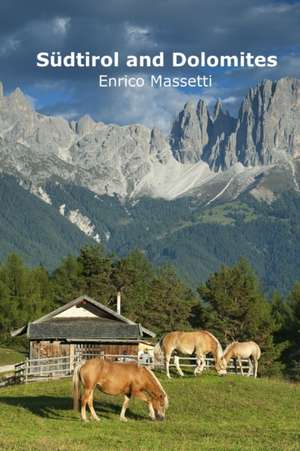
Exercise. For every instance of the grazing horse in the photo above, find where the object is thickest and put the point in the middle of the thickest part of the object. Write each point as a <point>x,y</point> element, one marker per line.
<point>115,378</point>
<point>244,350</point>
<point>199,342</point>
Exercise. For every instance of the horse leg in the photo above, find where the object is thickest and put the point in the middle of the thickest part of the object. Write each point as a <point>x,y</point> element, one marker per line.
<point>91,407</point>
<point>241,366</point>
<point>85,398</point>
<point>255,368</point>
<point>250,371</point>
<point>124,408</point>
<point>168,357</point>
<point>176,361</point>
<point>200,364</point>
<point>140,395</point>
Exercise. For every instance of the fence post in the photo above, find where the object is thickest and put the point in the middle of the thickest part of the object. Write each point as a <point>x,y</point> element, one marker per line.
<point>71,363</point>
<point>26,370</point>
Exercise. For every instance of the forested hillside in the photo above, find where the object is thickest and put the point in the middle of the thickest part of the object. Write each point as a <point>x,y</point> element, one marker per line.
<point>230,303</point>
<point>196,238</point>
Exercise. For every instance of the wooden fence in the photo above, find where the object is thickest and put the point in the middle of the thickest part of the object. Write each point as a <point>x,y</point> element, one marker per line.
<point>59,367</point>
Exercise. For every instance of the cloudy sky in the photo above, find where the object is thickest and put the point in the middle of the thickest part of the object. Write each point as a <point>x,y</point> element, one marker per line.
<point>141,27</point>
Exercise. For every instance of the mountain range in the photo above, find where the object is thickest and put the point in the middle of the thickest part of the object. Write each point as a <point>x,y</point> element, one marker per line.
<point>187,198</point>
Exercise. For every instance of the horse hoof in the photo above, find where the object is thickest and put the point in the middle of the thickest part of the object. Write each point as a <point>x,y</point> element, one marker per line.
<point>124,419</point>
<point>95,418</point>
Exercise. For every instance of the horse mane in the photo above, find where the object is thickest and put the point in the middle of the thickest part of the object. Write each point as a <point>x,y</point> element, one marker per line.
<point>228,347</point>
<point>219,350</point>
<point>154,378</point>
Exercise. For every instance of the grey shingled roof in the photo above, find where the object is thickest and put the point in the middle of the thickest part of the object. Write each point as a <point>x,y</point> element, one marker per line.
<point>118,320</point>
<point>83,328</point>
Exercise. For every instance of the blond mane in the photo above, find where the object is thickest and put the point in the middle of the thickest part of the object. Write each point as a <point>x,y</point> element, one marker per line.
<point>220,350</point>
<point>153,377</point>
<point>228,347</point>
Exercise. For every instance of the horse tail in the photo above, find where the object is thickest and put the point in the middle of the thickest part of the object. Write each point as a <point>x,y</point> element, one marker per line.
<point>258,355</point>
<point>158,349</point>
<point>76,386</point>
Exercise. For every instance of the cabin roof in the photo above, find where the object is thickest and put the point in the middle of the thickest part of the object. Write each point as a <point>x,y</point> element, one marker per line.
<point>99,322</point>
<point>83,328</point>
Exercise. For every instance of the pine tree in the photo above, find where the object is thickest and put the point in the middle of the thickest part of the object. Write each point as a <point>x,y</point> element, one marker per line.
<point>291,331</point>
<point>66,282</point>
<point>96,270</point>
<point>236,309</point>
<point>170,304</point>
<point>133,276</point>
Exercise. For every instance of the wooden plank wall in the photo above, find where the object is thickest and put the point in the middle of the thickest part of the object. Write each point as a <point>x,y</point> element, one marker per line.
<point>44,349</point>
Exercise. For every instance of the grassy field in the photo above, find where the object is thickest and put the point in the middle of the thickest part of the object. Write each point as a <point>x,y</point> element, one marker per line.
<point>9,356</point>
<point>206,413</point>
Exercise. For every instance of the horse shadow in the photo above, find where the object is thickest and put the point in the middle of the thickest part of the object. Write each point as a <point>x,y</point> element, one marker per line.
<point>56,407</point>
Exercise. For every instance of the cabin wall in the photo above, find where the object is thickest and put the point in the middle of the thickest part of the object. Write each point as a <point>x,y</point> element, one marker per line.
<point>46,348</point>
<point>107,348</point>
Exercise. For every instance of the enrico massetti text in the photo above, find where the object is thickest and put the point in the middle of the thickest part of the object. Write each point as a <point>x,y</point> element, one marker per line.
<point>155,81</point>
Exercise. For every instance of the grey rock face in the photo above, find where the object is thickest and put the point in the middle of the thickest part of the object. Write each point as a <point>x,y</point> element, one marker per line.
<point>159,147</point>
<point>267,129</point>
<point>190,132</point>
<point>104,158</point>
<point>219,154</point>
<point>196,136</point>
<point>269,123</point>
<point>134,159</point>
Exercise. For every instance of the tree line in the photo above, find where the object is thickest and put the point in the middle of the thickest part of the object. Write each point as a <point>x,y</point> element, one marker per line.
<point>231,303</point>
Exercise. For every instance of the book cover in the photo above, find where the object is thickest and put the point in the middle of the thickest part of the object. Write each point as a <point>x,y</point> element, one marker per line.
<point>149,224</point>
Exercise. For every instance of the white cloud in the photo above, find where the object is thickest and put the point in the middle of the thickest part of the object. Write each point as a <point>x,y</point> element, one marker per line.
<point>9,45</point>
<point>32,100</point>
<point>61,25</point>
<point>230,100</point>
<point>139,36</point>
<point>279,8</point>
<point>153,107</point>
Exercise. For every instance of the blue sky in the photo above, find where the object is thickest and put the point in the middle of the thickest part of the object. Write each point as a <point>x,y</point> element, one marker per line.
<point>141,27</point>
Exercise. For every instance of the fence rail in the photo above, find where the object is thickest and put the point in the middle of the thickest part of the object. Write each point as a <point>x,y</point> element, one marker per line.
<point>59,367</point>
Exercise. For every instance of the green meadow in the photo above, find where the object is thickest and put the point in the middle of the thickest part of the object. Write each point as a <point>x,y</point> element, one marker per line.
<point>205,413</point>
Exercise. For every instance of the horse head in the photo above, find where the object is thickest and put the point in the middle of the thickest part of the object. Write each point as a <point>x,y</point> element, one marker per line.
<point>221,366</point>
<point>160,404</point>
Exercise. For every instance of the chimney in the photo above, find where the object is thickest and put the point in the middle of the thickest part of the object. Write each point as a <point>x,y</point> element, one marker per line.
<point>1,89</point>
<point>119,302</point>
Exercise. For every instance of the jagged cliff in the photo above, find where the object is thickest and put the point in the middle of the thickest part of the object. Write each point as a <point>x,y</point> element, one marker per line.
<point>267,128</point>
<point>133,160</point>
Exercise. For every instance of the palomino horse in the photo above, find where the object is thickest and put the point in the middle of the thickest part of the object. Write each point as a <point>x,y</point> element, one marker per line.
<point>199,342</point>
<point>115,378</point>
<point>244,350</point>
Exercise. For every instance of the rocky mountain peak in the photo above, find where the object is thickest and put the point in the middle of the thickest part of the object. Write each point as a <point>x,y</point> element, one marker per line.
<point>269,123</point>
<point>85,125</point>
<point>217,109</point>
<point>189,134</point>
<point>159,146</point>
<point>267,129</point>
<point>134,160</point>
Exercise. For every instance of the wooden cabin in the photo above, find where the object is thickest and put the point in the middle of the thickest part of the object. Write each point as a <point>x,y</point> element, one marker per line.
<point>84,326</point>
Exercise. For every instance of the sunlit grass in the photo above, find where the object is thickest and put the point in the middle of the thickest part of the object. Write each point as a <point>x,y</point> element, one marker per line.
<point>206,413</point>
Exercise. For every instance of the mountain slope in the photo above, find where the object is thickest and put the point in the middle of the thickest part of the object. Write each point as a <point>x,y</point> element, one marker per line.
<point>216,189</point>
<point>135,161</point>
<point>196,238</point>
<point>33,228</point>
